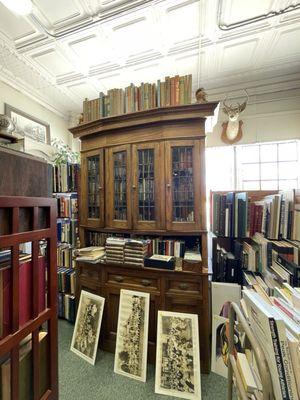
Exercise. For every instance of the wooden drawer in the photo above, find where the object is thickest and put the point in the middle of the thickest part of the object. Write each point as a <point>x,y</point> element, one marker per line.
<point>90,273</point>
<point>133,280</point>
<point>184,286</point>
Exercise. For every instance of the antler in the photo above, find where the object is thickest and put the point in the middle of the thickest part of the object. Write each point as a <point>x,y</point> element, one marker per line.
<point>243,105</point>
<point>226,108</point>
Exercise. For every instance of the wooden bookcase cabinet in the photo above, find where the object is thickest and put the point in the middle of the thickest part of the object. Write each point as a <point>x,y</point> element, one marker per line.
<point>144,173</point>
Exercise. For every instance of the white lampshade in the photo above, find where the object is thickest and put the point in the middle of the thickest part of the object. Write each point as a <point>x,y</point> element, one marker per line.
<point>20,7</point>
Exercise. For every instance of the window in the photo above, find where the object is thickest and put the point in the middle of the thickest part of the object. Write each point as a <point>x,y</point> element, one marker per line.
<point>263,166</point>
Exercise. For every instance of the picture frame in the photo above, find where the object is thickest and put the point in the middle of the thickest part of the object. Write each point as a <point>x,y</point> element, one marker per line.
<point>87,326</point>
<point>177,371</point>
<point>27,125</point>
<point>132,335</point>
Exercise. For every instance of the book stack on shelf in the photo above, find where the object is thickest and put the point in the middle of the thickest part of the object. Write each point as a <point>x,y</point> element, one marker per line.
<point>176,90</point>
<point>135,251</point>
<point>114,250</point>
<point>93,254</point>
<point>274,319</point>
<point>244,243</point>
<point>65,184</point>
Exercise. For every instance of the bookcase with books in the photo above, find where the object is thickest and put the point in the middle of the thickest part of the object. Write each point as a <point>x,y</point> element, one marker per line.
<point>257,245</point>
<point>65,187</point>
<point>143,204</point>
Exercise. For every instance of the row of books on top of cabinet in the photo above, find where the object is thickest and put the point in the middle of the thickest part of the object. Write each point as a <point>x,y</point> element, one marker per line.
<point>26,390</point>
<point>238,215</point>
<point>66,306</point>
<point>277,258</point>
<point>65,177</point>
<point>67,205</point>
<point>176,90</point>
<point>66,279</point>
<point>67,231</point>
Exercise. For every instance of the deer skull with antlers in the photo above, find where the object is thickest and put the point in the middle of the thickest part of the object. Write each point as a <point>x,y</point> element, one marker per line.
<point>232,129</point>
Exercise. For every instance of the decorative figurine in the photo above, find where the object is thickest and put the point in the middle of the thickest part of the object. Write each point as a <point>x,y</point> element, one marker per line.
<point>201,96</point>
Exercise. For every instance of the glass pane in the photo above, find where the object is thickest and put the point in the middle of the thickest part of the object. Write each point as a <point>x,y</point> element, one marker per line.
<point>269,171</point>
<point>183,184</point>
<point>287,151</point>
<point>268,152</point>
<point>269,185</point>
<point>288,184</point>
<point>250,185</point>
<point>250,171</point>
<point>249,154</point>
<point>146,185</point>
<point>120,185</point>
<point>93,187</point>
<point>288,170</point>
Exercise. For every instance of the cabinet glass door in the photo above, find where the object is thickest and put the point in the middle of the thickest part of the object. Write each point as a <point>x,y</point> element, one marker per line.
<point>183,185</point>
<point>92,189</point>
<point>118,182</point>
<point>147,188</point>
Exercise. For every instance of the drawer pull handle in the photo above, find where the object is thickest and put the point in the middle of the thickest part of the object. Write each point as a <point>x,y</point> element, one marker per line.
<point>119,278</point>
<point>183,286</point>
<point>146,282</point>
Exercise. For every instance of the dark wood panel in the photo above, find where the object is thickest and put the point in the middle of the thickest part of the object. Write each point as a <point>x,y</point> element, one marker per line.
<point>24,175</point>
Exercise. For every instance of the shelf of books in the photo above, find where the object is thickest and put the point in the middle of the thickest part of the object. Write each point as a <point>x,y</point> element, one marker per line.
<point>256,246</point>
<point>65,186</point>
<point>173,91</point>
<point>173,253</point>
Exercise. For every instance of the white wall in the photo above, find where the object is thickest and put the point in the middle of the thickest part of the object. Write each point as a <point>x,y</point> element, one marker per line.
<point>268,117</point>
<point>58,125</point>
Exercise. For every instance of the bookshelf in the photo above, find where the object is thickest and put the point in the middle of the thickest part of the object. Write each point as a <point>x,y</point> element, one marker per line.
<point>40,223</point>
<point>65,186</point>
<point>143,176</point>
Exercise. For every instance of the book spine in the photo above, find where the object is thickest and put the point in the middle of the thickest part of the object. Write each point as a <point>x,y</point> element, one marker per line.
<point>279,347</point>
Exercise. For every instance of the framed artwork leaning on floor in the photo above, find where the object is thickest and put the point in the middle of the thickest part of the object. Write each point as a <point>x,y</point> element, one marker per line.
<point>178,355</point>
<point>87,326</point>
<point>132,335</point>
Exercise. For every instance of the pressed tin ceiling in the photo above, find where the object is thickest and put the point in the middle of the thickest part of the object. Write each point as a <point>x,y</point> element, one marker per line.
<point>46,56</point>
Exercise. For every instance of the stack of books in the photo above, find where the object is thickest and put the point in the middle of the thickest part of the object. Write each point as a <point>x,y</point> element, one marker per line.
<point>168,247</point>
<point>67,306</point>
<point>65,177</point>
<point>67,205</point>
<point>67,231</point>
<point>92,254</point>
<point>276,216</point>
<point>66,256</point>
<point>114,250</point>
<point>176,90</point>
<point>66,280</point>
<point>275,323</point>
<point>135,251</point>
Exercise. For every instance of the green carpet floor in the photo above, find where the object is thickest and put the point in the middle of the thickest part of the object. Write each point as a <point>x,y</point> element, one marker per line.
<point>80,380</point>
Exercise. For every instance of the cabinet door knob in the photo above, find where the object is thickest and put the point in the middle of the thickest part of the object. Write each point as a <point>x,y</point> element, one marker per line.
<point>146,282</point>
<point>100,187</point>
<point>133,187</point>
<point>183,286</point>
<point>168,185</point>
<point>119,278</point>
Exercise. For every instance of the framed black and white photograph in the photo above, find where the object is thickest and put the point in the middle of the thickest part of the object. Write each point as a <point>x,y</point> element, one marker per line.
<point>178,356</point>
<point>27,125</point>
<point>132,335</point>
<point>87,326</point>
